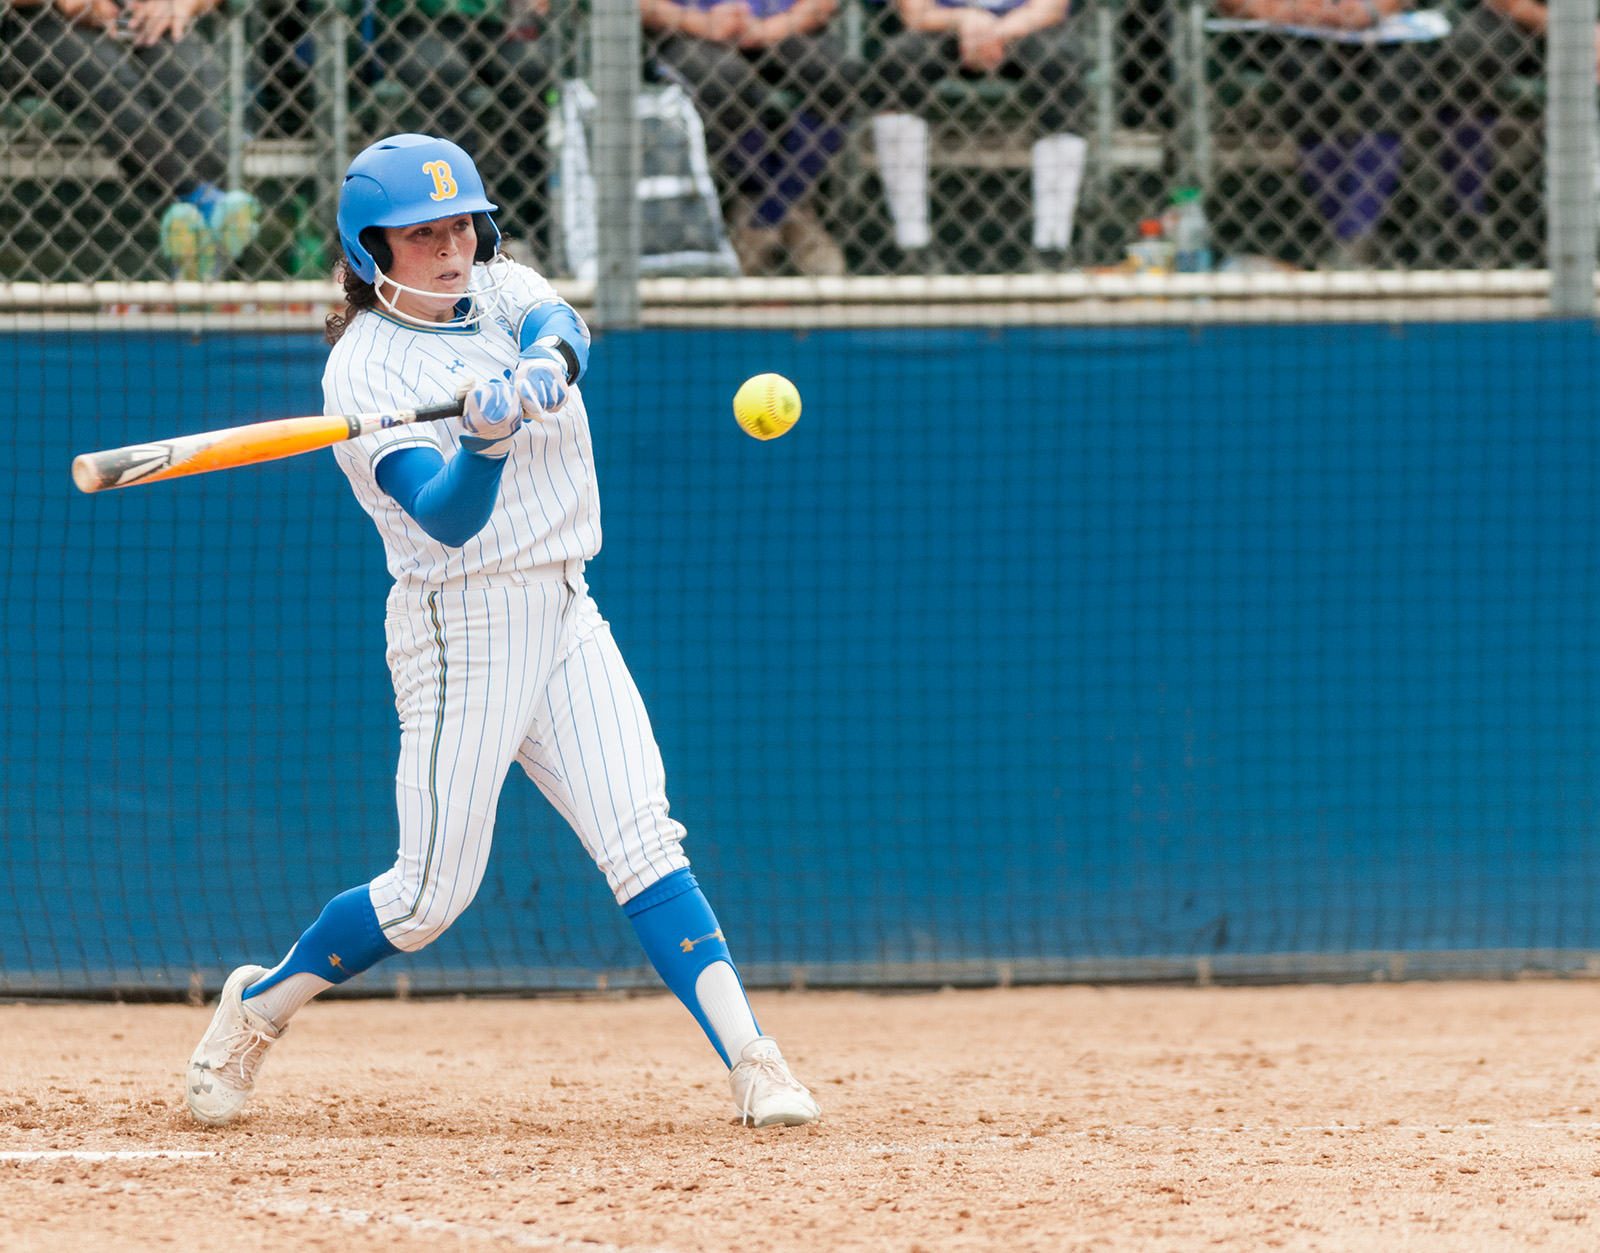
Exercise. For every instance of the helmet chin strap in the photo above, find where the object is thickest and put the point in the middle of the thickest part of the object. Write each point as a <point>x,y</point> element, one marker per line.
<point>480,304</point>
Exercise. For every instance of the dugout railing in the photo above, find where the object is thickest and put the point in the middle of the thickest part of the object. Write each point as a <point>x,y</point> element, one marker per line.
<point>885,302</point>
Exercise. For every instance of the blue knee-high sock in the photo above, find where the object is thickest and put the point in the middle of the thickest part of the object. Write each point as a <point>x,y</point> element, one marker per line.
<point>681,937</point>
<point>344,940</point>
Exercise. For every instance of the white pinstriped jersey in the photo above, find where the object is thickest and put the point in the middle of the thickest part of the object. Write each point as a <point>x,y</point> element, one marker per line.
<point>548,508</point>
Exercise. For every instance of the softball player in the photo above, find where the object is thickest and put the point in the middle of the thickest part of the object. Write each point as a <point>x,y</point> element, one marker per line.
<point>498,653</point>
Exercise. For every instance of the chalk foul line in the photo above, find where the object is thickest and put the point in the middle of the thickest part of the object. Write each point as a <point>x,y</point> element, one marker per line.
<point>92,1155</point>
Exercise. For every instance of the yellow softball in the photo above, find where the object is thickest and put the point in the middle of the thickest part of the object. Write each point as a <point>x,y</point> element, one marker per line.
<point>766,406</point>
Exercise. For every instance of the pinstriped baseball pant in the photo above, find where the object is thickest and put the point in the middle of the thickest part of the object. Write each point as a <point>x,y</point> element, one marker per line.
<point>490,673</point>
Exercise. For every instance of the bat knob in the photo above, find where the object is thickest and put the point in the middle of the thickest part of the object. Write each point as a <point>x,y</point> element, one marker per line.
<point>85,475</point>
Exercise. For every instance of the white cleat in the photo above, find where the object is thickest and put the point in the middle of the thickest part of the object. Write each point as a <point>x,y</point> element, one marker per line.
<point>766,1093</point>
<point>222,1073</point>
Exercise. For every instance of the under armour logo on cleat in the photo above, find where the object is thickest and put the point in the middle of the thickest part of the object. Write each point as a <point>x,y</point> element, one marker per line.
<point>687,945</point>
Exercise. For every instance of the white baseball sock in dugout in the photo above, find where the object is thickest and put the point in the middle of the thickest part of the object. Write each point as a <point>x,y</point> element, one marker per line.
<point>901,142</point>
<point>1058,162</point>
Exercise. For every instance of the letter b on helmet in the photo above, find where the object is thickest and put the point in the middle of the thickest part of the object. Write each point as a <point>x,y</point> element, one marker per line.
<point>444,186</point>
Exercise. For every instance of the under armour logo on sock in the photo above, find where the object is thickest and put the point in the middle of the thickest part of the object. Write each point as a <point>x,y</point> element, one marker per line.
<point>687,945</point>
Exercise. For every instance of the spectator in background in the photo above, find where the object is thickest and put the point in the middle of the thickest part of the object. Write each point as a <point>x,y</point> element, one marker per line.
<point>474,69</point>
<point>1029,41</point>
<point>773,86</point>
<point>136,76</point>
<point>1354,108</point>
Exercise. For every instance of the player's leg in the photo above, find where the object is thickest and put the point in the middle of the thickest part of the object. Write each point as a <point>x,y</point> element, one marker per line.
<point>592,752</point>
<point>1052,67</point>
<point>467,668</point>
<point>902,87</point>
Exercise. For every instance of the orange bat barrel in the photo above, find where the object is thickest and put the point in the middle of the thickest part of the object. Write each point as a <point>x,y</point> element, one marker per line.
<point>241,445</point>
<point>213,450</point>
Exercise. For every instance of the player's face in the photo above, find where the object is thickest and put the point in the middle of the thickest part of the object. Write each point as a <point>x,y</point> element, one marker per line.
<point>432,257</point>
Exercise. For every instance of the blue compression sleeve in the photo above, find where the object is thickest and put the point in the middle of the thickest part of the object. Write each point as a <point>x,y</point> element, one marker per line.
<point>344,940</point>
<point>560,319</point>
<point>451,502</point>
<point>681,938</point>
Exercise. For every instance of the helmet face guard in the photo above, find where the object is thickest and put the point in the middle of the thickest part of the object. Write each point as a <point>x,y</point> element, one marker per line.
<point>401,181</point>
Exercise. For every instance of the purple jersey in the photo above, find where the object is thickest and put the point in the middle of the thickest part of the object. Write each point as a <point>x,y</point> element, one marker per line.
<point>997,7</point>
<point>758,8</point>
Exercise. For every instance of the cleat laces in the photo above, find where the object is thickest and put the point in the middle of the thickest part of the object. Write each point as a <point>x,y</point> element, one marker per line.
<point>245,1049</point>
<point>767,1071</point>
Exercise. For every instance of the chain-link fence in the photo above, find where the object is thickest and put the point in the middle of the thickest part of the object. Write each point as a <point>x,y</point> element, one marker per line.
<point>823,137</point>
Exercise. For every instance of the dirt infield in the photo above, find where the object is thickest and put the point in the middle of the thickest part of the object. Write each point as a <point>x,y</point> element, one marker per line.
<point>1418,1117</point>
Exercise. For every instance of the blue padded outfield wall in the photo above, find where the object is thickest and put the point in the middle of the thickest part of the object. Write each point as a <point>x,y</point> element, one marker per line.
<point>1030,651</point>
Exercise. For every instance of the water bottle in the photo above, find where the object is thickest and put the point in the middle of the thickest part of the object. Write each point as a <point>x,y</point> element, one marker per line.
<point>1190,232</point>
<point>1152,254</point>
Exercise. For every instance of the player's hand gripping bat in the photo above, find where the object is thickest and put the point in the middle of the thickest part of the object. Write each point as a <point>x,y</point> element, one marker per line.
<point>241,445</point>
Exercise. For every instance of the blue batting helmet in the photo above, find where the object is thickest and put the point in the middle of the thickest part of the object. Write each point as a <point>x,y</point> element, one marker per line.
<point>401,181</point>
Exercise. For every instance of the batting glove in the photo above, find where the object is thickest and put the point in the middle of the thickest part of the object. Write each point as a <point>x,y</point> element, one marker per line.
<point>490,415</point>
<point>541,380</point>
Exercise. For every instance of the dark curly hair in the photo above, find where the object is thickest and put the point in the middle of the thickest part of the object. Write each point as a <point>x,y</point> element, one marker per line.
<point>358,295</point>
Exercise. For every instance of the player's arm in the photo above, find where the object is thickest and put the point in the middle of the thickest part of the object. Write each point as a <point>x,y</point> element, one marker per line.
<point>1333,14</point>
<point>552,341</point>
<point>1030,17</point>
<point>931,16</point>
<point>1531,15</point>
<point>546,322</point>
<point>800,18</point>
<point>553,328</point>
<point>554,354</point>
<point>452,500</point>
<point>722,23</point>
